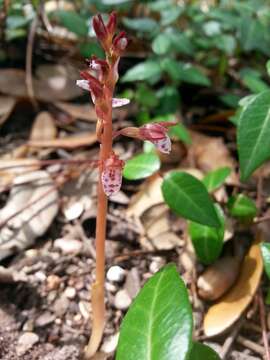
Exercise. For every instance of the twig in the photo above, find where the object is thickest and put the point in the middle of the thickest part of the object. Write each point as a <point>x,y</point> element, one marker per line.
<point>29,60</point>
<point>231,338</point>
<point>251,345</point>
<point>263,324</point>
<point>51,162</point>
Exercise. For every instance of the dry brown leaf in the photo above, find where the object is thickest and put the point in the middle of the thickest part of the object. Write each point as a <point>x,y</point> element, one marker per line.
<point>149,195</point>
<point>69,142</point>
<point>7,104</point>
<point>78,111</point>
<point>210,153</point>
<point>218,278</point>
<point>231,306</point>
<point>9,169</point>
<point>43,128</point>
<point>33,200</point>
<point>54,83</point>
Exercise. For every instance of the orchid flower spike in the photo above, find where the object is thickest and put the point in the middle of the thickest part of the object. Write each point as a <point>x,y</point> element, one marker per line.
<point>111,175</point>
<point>154,132</point>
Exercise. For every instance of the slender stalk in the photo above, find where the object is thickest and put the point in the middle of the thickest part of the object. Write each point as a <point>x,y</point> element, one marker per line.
<point>98,296</point>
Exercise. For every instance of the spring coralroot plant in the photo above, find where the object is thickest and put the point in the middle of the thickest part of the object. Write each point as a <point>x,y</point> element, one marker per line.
<point>100,80</point>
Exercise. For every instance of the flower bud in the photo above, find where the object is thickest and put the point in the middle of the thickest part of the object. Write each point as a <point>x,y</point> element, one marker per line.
<point>111,176</point>
<point>120,43</point>
<point>95,86</point>
<point>99,27</point>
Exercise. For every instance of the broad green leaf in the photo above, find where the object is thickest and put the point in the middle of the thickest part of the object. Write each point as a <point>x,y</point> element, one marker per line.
<point>170,14</point>
<point>202,352</point>
<point>208,241</point>
<point>181,43</point>
<point>254,83</point>
<point>143,71</point>
<point>73,22</point>
<point>230,100</point>
<point>188,197</point>
<point>141,24</point>
<point>268,67</point>
<point>242,207</point>
<point>158,325</point>
<point>89,49</point>
<point>141,166</point>
<point>181,132</point>
<point>146,96</point>
<point>265,249</point>
<point>161,44</point>
<point>253,133</point>
<point>214,179</point>
<point>193,75</point>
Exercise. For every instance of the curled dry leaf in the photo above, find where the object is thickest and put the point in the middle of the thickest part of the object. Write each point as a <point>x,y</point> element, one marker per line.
<point>150,194</point>
<point>9,169</point>
<point>231,306</point>
<point>7,104</point>
<point>218,278</point>
<point>211,153</point>
<point>68,142</point>
<point>54,83</point>
<point>43,128</point>
<point>34,202</point>
<point>78,111</point>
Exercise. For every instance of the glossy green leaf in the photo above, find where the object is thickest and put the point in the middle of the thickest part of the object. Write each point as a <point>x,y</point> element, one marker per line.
<point>158,325</point>
<point>202,352</point>
<point>181,133</point>
<point>242,207</point>
<point>253,133</point>
<point>143,71</point>
<point>188,197</point>
<point>161,44</point>
<point>141,166</point>
<point>73,22</point>
<point>193,75</point>
<point>141,24</point>
<point>214,179</point>
<point>265,249</point>
<point>208,241</point>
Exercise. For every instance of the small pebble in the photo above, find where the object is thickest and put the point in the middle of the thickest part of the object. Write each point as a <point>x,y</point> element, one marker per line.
<point>61,305</point>
<point>84,307</point>
<point>122,300</point>
<point>26,342</point>
<point>68,246</point>
<point>109,345</point>
<point>70,292</point>
<point>53,282</point>
<point>116,273</point>
<point>44,319</point>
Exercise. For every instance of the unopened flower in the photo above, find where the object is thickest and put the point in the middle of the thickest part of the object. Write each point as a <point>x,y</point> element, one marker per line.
<point>105,32</point>
<point>111,176</point>
<point>120,42</point>
<point>90,83</point>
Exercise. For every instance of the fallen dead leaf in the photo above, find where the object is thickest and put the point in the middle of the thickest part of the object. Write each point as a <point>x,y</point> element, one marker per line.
<point>78,111</point>
<point>30,209</point>
<point>54,83</point>
<point>218,278</point>
<point>211,153</point>
<point>7,104</point>
<point>231,306</point>
<point>43,128</point>
<point>149,195</point>
<point>68,142</point>
<point>9,169</point>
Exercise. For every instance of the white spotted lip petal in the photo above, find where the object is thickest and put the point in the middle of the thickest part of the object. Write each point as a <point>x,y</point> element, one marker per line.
<point>111,178</point>
<point>163,145</point>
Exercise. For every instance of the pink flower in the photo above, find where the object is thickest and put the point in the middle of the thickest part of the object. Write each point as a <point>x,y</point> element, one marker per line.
<point>111,175</point>
<point>154,132</point>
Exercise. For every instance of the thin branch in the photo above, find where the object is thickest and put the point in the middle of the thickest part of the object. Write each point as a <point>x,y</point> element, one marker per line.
<point>263,324</point>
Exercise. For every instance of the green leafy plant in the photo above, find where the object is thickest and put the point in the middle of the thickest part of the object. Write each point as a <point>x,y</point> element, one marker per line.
<point>159,323</point>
